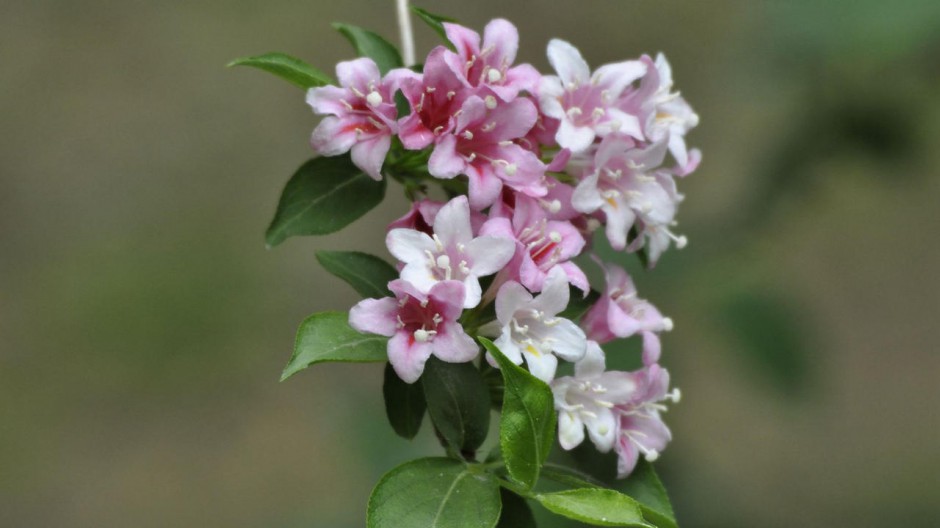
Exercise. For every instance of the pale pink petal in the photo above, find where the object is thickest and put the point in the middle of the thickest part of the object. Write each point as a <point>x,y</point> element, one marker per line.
<point>448,296</point>
<point>483,188</point>
<point>445,162</point>
<point>587,197</point>
<point>408,356</point>
<point>651,348</point>
<point>576,138</point>
<point>555,293</point>
<point>358,73</point>
<point>489,254</point>
<point>408,245</point>
<point>327,99</point>
<point>465,40</point>
<point>550,93</point>
<point>452,344</point>
<point>602,429</point>
<point>452,224</point>
<point>619,219</point>
<point>523,77</point>
<point>570,430</point>
<point>615,77</point>
<point>576,276</point>
<point>369,155</point>
<point>375,316</point>
<point>542,366</point>
<point>503,38</point>
<point>332,137</point>
<point>570,341</point>
<point>511,297</point>
<point>567,61</point>
<point>593,363</point>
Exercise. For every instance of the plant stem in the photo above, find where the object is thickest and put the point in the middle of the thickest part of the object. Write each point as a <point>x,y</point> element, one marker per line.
<point>407,35</point>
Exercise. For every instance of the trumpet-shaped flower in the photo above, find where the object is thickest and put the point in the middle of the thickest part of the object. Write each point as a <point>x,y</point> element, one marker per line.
<point>450,253</point>
<point>665,115</point>
<point>620,313</point>
<point>529,327</point>
<point>620,410</point>
<point>640,428</point>
<point>482,147</point>
<point>490,65</point>
<point>625,185</point>
<point>435,98</point>
<point>419,325</point>
<point>360,114</point>
<point>541,244</point>
<point>585,103</point>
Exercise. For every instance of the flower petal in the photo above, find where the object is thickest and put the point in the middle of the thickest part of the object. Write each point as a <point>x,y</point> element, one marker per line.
<point>408,356</point>
<point>370,155</point>
<point>568,62</point>
<point>375,316</point>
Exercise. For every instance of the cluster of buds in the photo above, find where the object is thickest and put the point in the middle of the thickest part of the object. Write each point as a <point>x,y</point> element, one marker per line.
<point>548,159</point>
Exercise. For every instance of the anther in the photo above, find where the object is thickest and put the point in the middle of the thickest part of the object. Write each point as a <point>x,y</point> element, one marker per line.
<point>667,324</point>
<point>374,98</point>
<point>493,75</point>
<point>490,102</point>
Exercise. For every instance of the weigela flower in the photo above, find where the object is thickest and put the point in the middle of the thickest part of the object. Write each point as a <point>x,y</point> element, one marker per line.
<point>528,327</point>
<point>491,65</point>
<point>360,115</point>
<point>640,428</point>
<point>620,313</point>
<point>624,184</point>
<point>481,146</point>
<point>419,325</point>
<point>434,98</point>
<point>664,114</point>
<point>541,244</point>
<point>620,410</point>
<point>585,104</point>
<point>450,253</point>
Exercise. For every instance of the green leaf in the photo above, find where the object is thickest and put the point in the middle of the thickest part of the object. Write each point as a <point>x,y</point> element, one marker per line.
<point>570,477</point>
<point>434,493</point>
<point>367,274</point>
<point>369,44</point>
<point>327,336</point>
<point>595,506</point>
<point>286,67</point>
<point>516,512</point>
<point>323,196</point>
<point>404,404</point>
<point>527,422</point>
<point>458,403</point>
<point>644,486</point>
<point>435,22</point>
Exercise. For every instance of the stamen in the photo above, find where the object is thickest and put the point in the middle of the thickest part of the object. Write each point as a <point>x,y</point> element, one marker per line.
<point>488,127</point>
<point>423,336</point>
<point>451,94</point>
<point>467,134</point>
<point>667,324</point>
<point>510,169</point>
<point>493,75</point>
<point>574,112</point>
<point>490,102</point>
<point>374,98</point>
<point>555,237</point>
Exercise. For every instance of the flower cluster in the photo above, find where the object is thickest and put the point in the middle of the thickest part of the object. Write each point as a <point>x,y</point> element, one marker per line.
<point>545,160</point>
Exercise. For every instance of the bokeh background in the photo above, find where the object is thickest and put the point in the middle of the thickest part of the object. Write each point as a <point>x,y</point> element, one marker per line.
<point>143,325</point>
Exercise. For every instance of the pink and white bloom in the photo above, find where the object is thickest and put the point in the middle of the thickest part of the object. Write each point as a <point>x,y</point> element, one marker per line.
<point>620,313</point>
<point>640,428</point>
<point>665,115</point>
<point>585,103</point>
<point>541,244</point>
<point>586,400</point>
<point>623,185</point>
<point>528,327</point>
<point>419,325</point>
<point>490,65</point>
<point>482,147</point>
<point>360,114</point>
<point>435,98</point>
<point>450,253</point>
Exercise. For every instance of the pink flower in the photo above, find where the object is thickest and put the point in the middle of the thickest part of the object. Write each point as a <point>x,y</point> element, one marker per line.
<point>620,313</point>
<point>528,326</point>
<point>640,428</point>
<point>624,184</point>
<point>585,103</point>
<point>620,410</point>
<point>482,147</point>
<point>490,65</point>
<point>450,253</point>
<point>541,244</point>
<point>665,115</point>
<point>435,99</point>
<point>360,114</point>
<point>419,325</point>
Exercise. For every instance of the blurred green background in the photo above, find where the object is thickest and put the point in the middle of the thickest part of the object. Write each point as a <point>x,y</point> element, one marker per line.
<point>143,325</point>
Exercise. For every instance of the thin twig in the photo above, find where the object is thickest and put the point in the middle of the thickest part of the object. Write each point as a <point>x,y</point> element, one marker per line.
<point>407,35</point>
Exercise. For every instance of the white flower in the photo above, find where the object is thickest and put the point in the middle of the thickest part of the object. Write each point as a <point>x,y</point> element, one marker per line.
<point>451,253</point>
<point>528,327</point>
